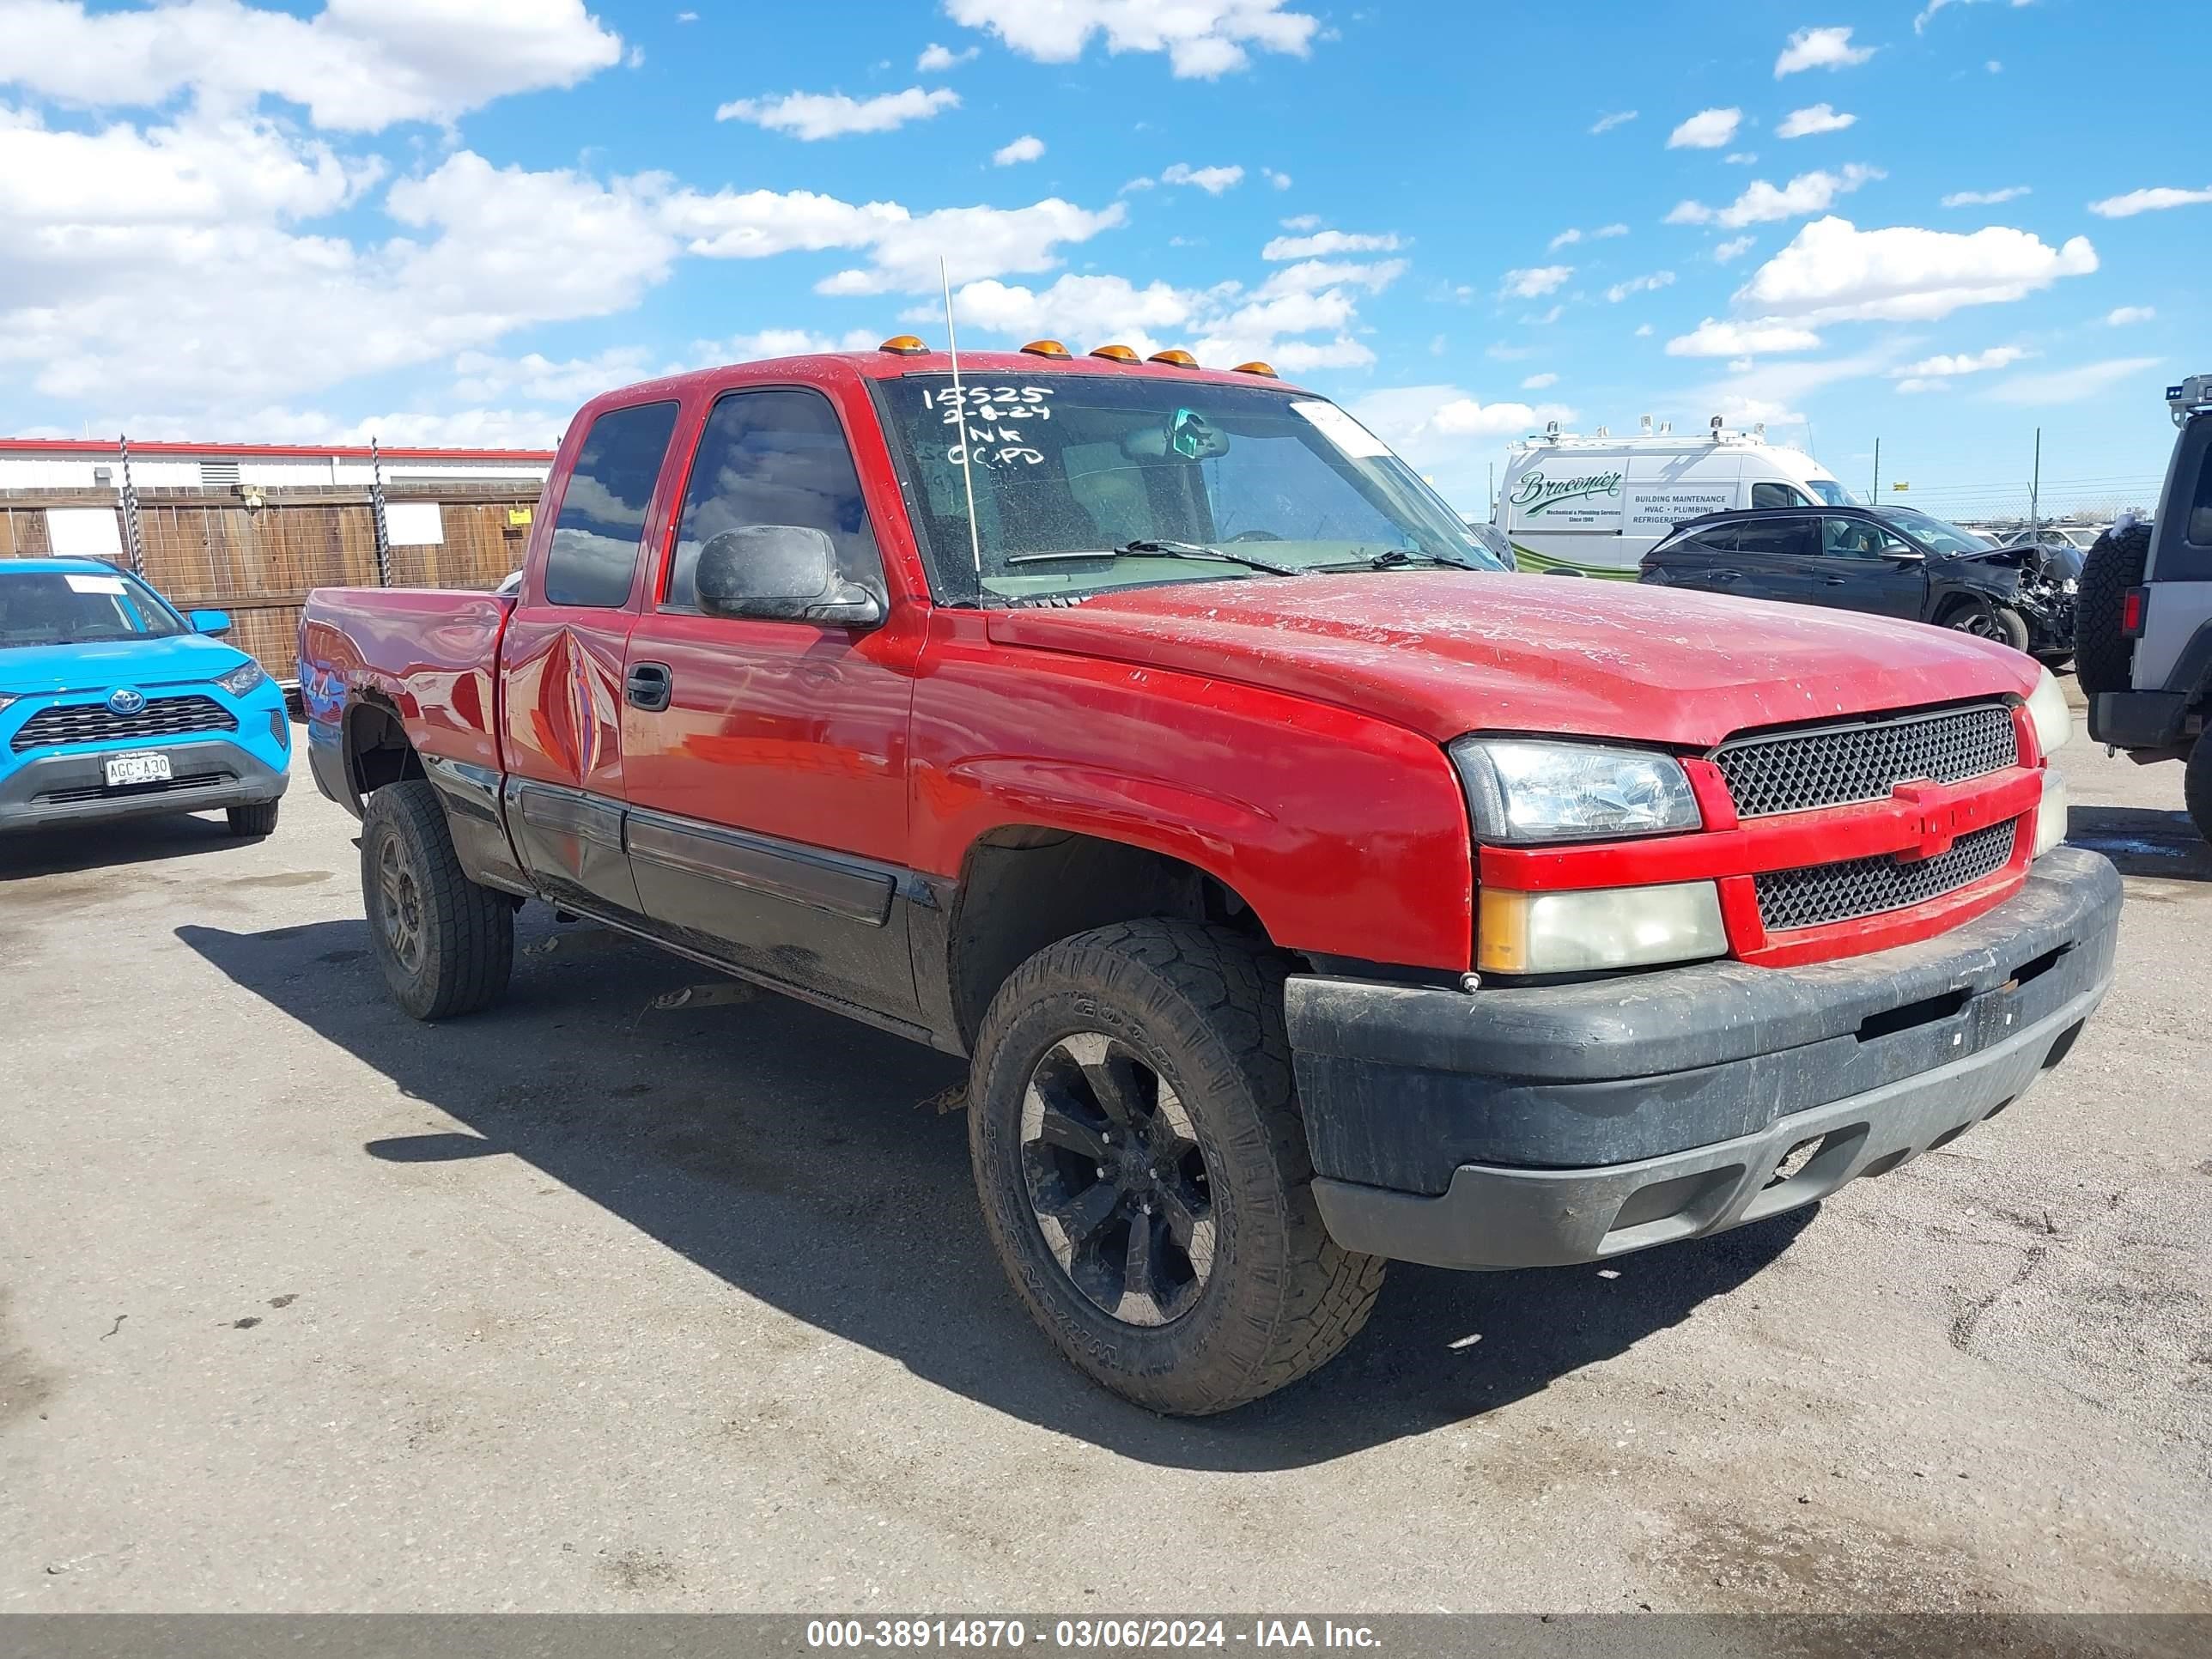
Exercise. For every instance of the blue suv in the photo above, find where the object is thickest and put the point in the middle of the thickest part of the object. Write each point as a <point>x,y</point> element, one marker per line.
<point>114,706</point>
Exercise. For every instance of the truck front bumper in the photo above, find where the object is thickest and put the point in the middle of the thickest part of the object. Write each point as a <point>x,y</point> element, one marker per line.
<point>1531,1128</point>
<point>71,786</point>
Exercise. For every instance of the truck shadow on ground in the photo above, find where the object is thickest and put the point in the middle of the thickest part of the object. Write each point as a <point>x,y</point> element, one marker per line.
<point>2142,842</point>
<point>802,1160</point>
<point>97,846</point>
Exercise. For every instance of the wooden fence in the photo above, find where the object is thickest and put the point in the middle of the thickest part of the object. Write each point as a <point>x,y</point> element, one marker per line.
<point>207,548</point>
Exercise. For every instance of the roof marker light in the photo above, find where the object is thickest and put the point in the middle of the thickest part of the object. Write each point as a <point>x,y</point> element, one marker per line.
<point>1174,359</point>
<point>1255,367</point>
<point>1045,348</point>
<point>1117,354</point>
<point>903,346</point>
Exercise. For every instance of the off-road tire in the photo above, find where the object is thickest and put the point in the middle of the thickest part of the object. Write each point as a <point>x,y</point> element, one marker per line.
<point>463,936</point>
<point>2004,624</point>
<point>255,820</point>
<point>2104,657</point>
<point>2197,788</point>
<point>1203,1007</point>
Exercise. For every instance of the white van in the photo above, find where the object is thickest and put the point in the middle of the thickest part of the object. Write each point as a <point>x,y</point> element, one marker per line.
<point>1596,505</point>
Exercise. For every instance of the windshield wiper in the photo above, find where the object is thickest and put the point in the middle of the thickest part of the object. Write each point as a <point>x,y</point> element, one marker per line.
<point>1158,550</point>
<point>1392,557</point>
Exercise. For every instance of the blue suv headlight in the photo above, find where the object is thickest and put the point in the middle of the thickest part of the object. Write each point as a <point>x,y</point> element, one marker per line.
<point>242,678</point>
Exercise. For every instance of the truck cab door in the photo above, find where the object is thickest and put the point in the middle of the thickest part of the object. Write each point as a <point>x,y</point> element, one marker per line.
<point>765,758</point>
<point>561,662</point>
<point>1863,567</point>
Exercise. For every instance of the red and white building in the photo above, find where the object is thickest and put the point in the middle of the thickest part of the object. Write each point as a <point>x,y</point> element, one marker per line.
<point>95,464</point>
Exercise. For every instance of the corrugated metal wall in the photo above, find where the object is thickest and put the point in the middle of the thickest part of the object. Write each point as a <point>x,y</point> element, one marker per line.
<point>259,562</point>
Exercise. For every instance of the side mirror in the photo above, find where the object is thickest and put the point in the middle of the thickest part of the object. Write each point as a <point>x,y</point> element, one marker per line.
<point>208,622</point>
<point>1906,556</point>
<point>781,573</point>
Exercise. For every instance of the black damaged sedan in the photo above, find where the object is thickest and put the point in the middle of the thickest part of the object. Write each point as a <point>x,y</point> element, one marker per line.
<point>1894,561</point>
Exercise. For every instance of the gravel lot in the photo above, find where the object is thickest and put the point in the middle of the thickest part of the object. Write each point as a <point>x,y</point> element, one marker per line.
<point>585,1305</point>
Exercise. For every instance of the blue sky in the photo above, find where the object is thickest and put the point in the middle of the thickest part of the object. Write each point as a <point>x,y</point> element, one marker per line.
<point>450,223</point>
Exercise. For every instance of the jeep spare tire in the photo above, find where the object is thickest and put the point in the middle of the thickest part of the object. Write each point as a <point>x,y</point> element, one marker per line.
<point>2104,657</point>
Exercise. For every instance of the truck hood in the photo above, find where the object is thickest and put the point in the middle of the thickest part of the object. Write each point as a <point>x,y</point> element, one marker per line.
<point>179,659</point>
<point>1446,653</point>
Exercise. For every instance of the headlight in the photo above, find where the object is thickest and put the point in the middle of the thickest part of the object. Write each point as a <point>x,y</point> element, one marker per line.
<point>1526,791</point>
<point>1608,927</point>
<point>2047,709</point>
<point>242,678</point>
<point>5,699</point>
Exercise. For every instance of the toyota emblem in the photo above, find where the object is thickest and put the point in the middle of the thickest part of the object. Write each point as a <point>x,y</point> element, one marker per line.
<point>126,701</point>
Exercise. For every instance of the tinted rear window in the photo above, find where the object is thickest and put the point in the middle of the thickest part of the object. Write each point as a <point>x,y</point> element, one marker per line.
<point>1775,536</point>
<point>595,539</point>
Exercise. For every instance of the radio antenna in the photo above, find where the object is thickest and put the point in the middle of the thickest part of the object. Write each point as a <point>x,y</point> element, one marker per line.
<point>960,399</point>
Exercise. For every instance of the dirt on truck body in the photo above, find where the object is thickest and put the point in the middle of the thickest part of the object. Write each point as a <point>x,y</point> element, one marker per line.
<point>1306,890</point>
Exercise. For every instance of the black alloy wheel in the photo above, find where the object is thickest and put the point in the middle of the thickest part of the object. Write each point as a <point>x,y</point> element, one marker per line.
<point>1116,1180</point>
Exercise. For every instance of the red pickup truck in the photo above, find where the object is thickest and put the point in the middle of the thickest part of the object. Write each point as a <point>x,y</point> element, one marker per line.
<point>1305,889</point>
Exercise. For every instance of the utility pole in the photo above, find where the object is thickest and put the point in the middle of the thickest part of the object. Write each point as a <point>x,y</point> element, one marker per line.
<point>2035,490</point>
<point>1875,500</point>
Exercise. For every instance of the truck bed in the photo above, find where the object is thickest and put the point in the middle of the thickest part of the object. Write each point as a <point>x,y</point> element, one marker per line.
<point>428,655</point>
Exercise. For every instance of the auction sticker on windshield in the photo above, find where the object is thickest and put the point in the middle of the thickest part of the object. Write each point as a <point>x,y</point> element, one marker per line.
<point>1340,429</point>
<point>94,584</point>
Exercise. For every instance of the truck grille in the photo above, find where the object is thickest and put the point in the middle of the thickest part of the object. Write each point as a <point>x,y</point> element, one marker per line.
<point>1837,765</point>
<point>1867,887</point>
<point>96,722</point>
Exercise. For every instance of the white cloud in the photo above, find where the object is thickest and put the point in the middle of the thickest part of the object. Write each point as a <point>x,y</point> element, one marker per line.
<point>1734,248</point>
<point>1741,158</point>
<point>1538,382</point>
<point>1811,49</point>
<point>936,59</point>
<point>1984,198</point>
<point>1545,318</point>
<point>1833,271</point>
<point>1642,330</point>
<point>357,66</point>
<point>1535,281</point>
<point>1279,180</point>
<point>1914,388</point>
<point>480,377</point>
<point>1657,279</point>
<point>1027,148</point>
<point>815,115</point>
<point>1963,363</point>
<point>1816,118</point>
<point>1302,222</point>
<point>1202,39</point>
<point>1568,238</point>
<point>2069,385</point>
<point>1310,275</point>
<point>1761,202</point>
<point>2127,315</point>
<point>1212,180</point>
<point>1324,242</point>
<point>2148,201</point>
<point>1920,23</point>
<point>1607,122</point>
<point>1709,129</point>
<point>1605,231</point>
<point>1712,338</point>
<point>1220,325</point>
<point>1565,238</point>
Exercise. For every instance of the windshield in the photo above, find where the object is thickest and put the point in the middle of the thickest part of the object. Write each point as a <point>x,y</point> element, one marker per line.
<point>70,607</point>
<point>1143,472</point>
<point>1947,539</point>
<point>1831,494</point>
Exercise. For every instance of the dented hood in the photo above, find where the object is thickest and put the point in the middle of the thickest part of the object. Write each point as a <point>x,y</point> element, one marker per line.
<point>1447,652</point>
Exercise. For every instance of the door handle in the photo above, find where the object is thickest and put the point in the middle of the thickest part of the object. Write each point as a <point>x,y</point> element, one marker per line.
<point>1727,576</point>
<point>1835,581</point>
<point>650,685</point>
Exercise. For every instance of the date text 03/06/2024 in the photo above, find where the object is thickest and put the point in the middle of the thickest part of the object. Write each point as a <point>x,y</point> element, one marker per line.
<point>1085,1635</point>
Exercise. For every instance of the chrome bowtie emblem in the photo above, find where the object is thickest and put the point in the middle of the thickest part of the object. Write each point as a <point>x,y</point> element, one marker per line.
<point>126,702</point>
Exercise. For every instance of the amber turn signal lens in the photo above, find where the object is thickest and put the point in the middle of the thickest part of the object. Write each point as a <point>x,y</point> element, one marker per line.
<point>904,345</point>
<point>1174,359</point>
<point>1045,348</point>
<point>1118,354</point>
<point>1267,369</point>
